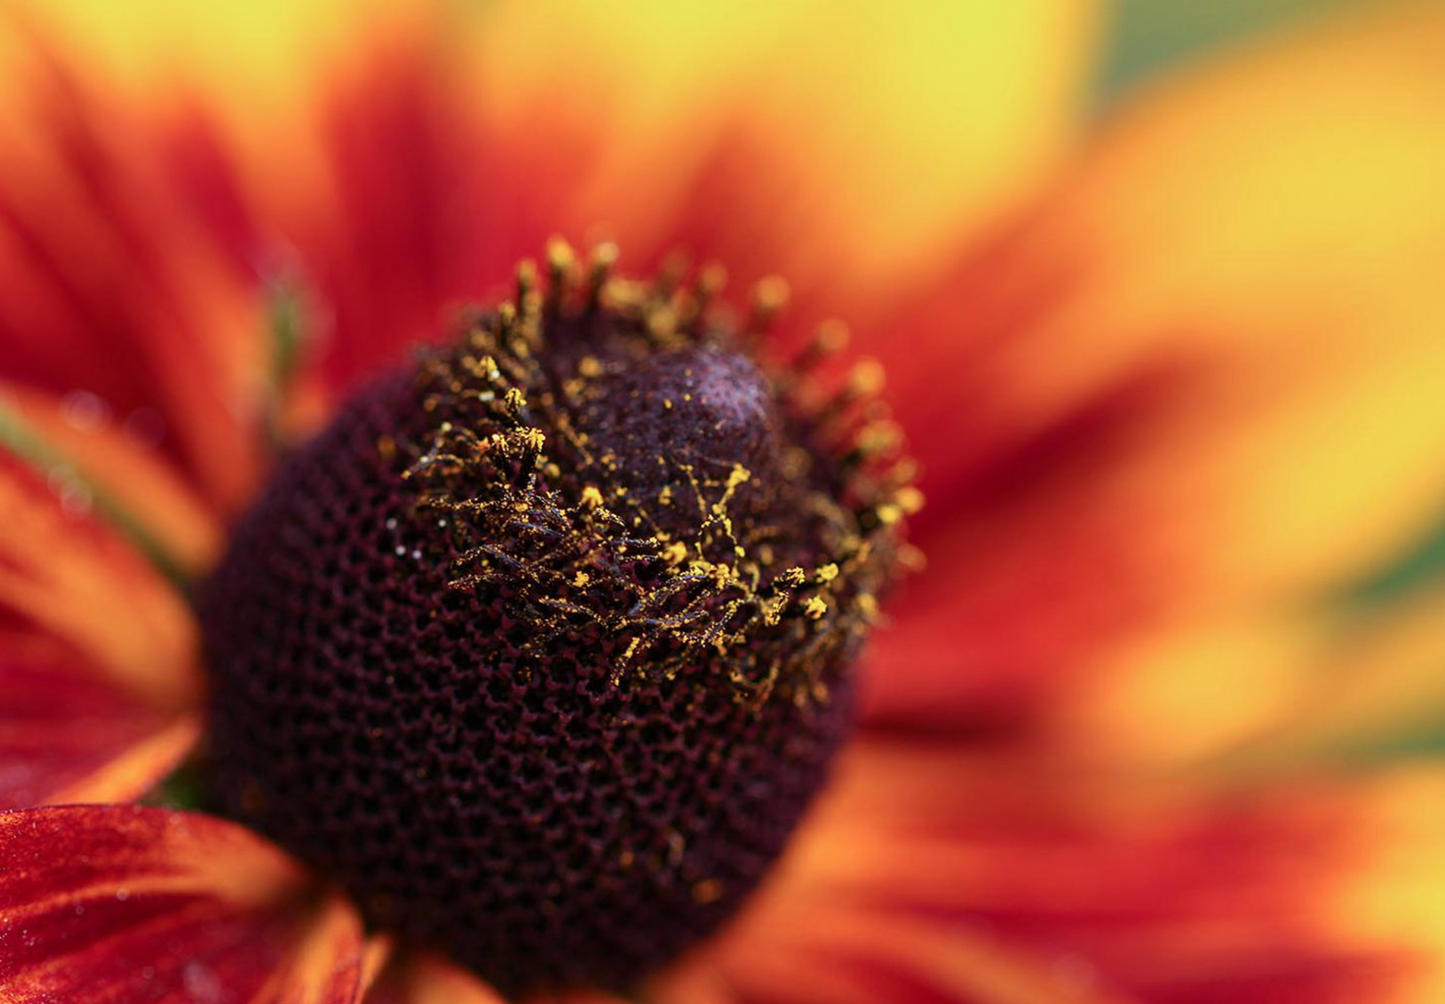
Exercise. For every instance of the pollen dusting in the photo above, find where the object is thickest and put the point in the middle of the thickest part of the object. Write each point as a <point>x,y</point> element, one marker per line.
<point>560,476</point>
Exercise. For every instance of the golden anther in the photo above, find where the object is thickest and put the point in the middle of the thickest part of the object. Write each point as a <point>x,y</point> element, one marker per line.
<point>792,577</point>
<point>560,256</point>
<point>866,379</point>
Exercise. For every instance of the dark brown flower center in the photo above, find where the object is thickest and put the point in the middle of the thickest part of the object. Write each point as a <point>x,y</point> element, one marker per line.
<point>543,646</point>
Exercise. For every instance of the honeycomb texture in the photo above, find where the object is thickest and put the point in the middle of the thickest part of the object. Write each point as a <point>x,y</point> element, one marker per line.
<point>541,822</point>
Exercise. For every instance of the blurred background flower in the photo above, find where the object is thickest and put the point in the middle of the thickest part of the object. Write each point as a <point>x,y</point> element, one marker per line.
<point>1159,291</point>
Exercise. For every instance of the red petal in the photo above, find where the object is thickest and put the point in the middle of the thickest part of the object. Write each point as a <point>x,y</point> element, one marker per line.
<point>938,873</point>
<point>119,904</point>
<point>66,736</point>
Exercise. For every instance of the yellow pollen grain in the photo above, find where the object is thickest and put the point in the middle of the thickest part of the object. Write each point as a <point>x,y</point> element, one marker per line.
<point>664,497</point>
<point>889,514</point>
<point>516,400</point>
<point>828,573</point>
<point>560,255</point>
<point>816,607</point>
<point>675,553</point>
<point>591,497</point>
<point>581,579</point>
<point>867,377</point>
<point>589,366</point>
<point>909,499</point>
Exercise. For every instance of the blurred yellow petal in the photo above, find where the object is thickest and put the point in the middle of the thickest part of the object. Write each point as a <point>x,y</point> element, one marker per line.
<point>1367,687</point>
<point>1273,224</point>
<point>888,129</point>
<point>264,52</point>
<point>1207,368</point>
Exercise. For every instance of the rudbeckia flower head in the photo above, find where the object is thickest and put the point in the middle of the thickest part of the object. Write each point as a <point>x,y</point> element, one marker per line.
<point>544,645</point>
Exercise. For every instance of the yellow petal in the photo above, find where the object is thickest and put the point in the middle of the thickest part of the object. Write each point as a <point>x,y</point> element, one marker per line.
<point>1272,227</point>
<point>1215,350</point>
<point>883,131</point>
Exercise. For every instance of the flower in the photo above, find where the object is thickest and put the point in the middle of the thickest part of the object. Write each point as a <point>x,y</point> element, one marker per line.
<point>1147,727</point>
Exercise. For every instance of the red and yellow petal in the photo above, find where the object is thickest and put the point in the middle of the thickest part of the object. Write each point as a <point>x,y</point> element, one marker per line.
<point>65,575</point>
<point>1004,879</point>
<point>126,903</point>
<point>139,491</point>
<point>67,735</point>
<point>97,653</point>
<point>113,289</point>
<point>428,146</point>
<point>1195,388</point>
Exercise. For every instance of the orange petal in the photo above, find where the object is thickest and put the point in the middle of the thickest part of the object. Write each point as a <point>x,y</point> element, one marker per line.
<point>126,903</point>
<point>420,978</point>
<point>65,576</point>
<point>998,877</point>
<point>415,977</point>
<point>96,655</point>
<point>1200,378</point>
<point>76,440</point>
